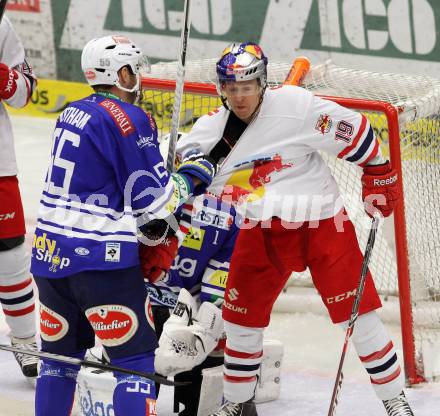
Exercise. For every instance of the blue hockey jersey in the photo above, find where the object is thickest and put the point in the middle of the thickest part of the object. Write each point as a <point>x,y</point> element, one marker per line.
<point>202,263</point>
<point>105,173</point>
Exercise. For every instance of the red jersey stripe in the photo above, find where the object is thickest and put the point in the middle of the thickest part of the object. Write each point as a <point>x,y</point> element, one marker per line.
<point>361,131</point>
<point>373,154</point>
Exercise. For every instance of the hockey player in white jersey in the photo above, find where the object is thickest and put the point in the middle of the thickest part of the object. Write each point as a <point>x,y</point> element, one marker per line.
<point>17,83</point>
<point>268,142</point>
<point>106,179</point>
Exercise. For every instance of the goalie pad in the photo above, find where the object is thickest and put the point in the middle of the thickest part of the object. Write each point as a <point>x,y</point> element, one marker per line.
<point>186,340</point>
<point>268,386</point>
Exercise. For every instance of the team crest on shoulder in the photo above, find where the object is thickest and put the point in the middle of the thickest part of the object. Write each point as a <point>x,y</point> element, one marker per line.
<point>324,124</point>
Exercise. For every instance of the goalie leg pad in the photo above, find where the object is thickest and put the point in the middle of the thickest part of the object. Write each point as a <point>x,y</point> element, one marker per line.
<point>189,395</point>
<point>268,386</point>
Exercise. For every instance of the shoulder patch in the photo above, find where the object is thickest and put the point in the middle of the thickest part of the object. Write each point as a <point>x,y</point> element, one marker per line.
<point>119,116</point>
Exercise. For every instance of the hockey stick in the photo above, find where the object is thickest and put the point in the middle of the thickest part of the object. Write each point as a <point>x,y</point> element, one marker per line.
<point>354,314</point>
<point>85,363</point>
<point>2,8</point>
<point>298,71</point>
<point>180,78</point>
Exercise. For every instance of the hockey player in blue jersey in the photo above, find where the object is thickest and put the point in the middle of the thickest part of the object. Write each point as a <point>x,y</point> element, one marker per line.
<point>106,177</point>
<point>197,276</point>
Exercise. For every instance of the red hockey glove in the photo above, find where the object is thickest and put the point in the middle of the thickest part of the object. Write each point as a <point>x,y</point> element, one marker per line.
<point>379,189</point>
<point>156,260</point>
<point>8,83</point>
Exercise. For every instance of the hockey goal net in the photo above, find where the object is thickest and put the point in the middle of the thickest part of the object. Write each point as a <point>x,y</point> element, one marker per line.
<point>405,114</point>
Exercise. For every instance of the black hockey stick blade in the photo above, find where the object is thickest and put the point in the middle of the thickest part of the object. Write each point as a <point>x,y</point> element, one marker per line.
<point>85,363</point>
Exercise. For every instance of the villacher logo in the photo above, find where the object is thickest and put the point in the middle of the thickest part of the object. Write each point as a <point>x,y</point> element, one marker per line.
<point>113,324</point>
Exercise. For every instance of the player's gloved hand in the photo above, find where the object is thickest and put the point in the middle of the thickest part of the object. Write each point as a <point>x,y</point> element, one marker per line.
<point>8,82</point>
<point>200,166</point>
<point>379,189</point>
<point>156,260</point>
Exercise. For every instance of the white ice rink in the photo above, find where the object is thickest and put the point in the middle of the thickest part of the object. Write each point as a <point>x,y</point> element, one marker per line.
<point>312,344</point>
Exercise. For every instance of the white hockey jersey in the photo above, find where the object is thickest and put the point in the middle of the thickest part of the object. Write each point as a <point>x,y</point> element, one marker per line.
<point>12,54</point>
<point>275,169</point>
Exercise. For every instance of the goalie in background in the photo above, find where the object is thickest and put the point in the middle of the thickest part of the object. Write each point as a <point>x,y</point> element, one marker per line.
<point>191,286</point>
<point>17,82</point>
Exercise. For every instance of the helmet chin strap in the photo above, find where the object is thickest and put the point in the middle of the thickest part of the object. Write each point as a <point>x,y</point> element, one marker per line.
<point>136,88</point>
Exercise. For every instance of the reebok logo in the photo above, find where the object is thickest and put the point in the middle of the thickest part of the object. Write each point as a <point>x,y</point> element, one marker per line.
<point>388,181</point>
<point>10,83</point>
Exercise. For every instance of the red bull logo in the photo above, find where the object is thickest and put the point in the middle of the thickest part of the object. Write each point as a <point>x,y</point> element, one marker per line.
<point>254,50</point>
<point>324,123</point>
<point>249,184</point>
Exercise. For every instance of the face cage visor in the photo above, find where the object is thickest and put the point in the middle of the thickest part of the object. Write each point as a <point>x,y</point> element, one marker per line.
<point>141,67</point>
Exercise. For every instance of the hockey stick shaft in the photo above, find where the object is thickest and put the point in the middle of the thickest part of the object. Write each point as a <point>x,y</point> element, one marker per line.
<point>180,78</point>
<point>2,8</point>
<point>85,363</point>
<point>354,314</point>
<point>298,71</point>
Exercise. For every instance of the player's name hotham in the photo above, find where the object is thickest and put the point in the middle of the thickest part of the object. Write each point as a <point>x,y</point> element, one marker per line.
<point>116,324</point>
<point>119,116</point>
<point>75,117</point>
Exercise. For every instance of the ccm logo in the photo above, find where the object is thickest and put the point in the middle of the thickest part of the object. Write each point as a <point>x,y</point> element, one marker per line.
<point>388,181</point>
<point>341,297</point>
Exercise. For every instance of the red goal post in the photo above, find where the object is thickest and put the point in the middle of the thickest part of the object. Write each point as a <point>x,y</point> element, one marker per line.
<point>407,120</point>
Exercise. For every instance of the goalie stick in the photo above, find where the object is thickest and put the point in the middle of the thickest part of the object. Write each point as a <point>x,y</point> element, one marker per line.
<point>101,366</point>
<point>354,314</point>
<point>2,8</point>
<point>180,78</point>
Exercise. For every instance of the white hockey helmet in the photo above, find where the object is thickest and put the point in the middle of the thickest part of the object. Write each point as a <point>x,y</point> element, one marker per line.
<point>103,57</point>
